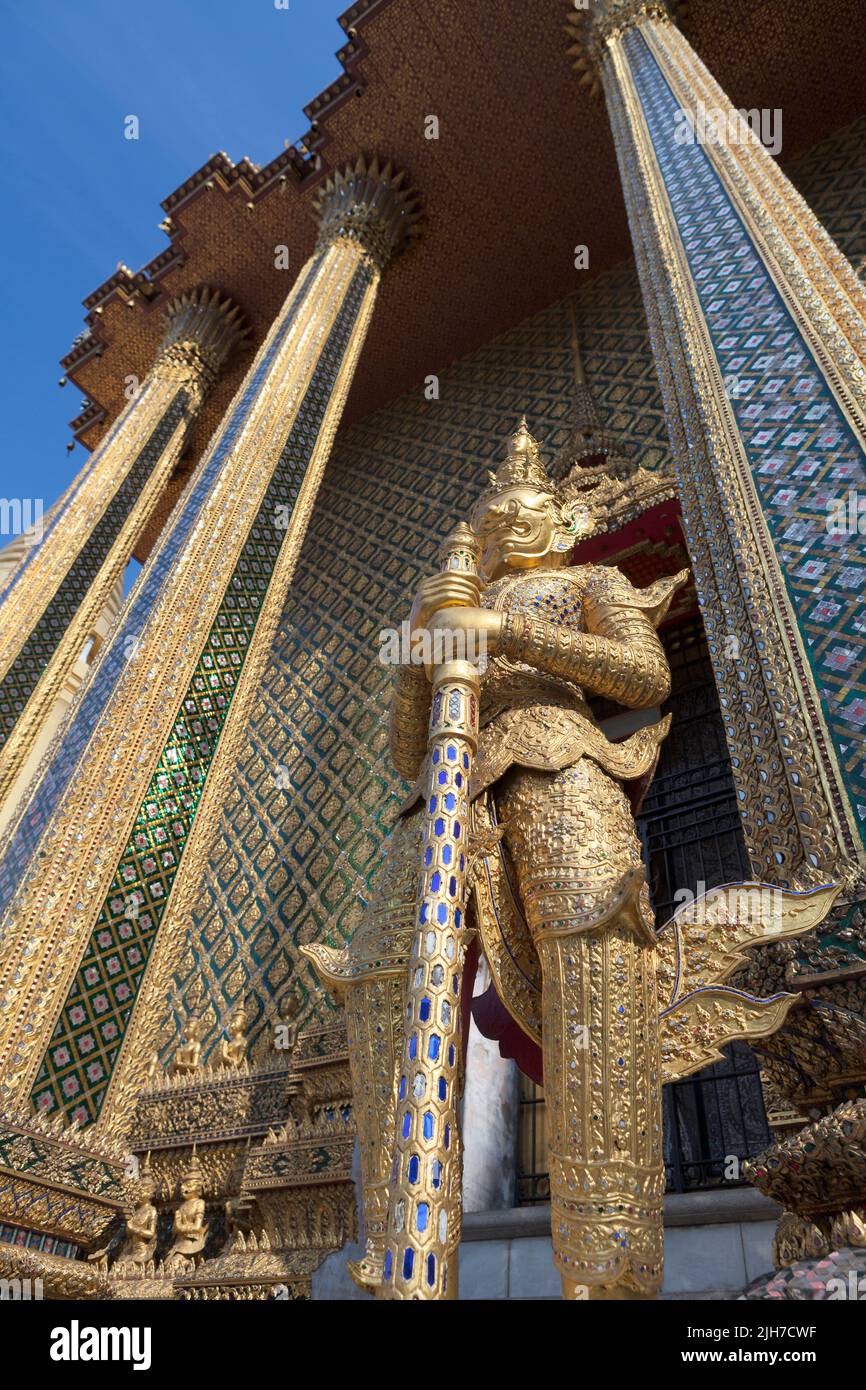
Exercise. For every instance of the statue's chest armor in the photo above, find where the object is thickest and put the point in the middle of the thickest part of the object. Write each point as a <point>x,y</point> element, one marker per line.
<point>554,595</point>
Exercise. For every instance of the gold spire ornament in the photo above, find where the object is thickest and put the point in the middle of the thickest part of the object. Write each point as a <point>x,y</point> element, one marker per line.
<point>522,463</point>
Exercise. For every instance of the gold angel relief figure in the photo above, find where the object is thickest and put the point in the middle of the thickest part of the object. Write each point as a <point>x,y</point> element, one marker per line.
<point>534,854</point>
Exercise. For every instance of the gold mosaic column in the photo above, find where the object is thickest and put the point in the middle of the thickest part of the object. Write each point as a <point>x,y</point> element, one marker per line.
<point>758,326</point>
<point>98,876</point>
<point>55,597</point>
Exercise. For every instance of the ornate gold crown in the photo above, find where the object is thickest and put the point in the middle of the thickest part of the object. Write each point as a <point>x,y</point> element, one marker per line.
<point>146,1175</point>
<point>193,1173</point>
<point>522,464</point>
<point>591,500</point>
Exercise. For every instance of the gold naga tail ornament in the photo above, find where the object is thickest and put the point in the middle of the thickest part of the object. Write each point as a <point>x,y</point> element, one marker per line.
<point>522,814</point>
<point>699,949</point>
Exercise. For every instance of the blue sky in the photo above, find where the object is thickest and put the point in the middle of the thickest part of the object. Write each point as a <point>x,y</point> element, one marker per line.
<point>201,75</point>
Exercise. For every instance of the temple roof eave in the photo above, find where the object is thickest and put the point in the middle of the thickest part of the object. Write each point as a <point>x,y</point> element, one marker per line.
<point>452,293</point>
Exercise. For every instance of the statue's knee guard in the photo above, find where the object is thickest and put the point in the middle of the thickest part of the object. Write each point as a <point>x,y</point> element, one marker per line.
<point>374,1026</point>
<point>603,1100</point>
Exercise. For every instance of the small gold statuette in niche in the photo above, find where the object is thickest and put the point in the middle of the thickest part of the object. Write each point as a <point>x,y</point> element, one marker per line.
<point>141,1226</point>
<point>233,1049</point>
<point>188,1055</point>
<point>286,1030</point>
<point>190,1227</point>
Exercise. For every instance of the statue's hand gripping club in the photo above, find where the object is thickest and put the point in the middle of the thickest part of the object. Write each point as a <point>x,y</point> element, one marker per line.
<point>425,1190</point>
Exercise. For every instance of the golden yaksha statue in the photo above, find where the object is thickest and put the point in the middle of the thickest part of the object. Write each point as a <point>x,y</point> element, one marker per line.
<point>190,1228</point>
<point>584,987</point>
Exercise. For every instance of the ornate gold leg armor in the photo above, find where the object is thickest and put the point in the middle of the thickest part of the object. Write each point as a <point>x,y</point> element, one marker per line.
<point>369,977</point>
<point>374,1025</point>
<point>572,841</point>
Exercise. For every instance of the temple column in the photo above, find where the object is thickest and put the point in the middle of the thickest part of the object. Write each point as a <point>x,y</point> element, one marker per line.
<point>757,324</point>
<point>758,327</point>
<point>53,600</point>
<point>97,873</point>
<point>56,713</point>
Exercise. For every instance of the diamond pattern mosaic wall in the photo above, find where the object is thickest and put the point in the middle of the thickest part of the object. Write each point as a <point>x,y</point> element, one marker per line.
<point>77,1067</point>
<point>314,795</point>
<point>802,452</point>
<point>21,679</point>
<point>832,179</point>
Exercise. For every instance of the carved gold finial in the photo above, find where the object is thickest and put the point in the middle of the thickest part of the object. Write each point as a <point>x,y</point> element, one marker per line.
<point>193,1174</point>
<point>460,549</point>
<point>371,204</point>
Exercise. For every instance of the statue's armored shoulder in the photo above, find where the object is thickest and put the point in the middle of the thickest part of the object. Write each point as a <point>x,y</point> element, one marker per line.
<point>607,588</point>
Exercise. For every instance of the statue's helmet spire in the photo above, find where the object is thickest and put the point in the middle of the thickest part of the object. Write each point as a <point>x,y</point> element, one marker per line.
<point>193,1174</point>
<point>522,463</point>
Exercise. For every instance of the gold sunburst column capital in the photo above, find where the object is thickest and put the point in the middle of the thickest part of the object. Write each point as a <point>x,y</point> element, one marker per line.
<point>370,205</point>
<point>592,24</point>
<point>99,877</point>
<point>203,328</point>
<point>54,600</point>
<point>758,332</point>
